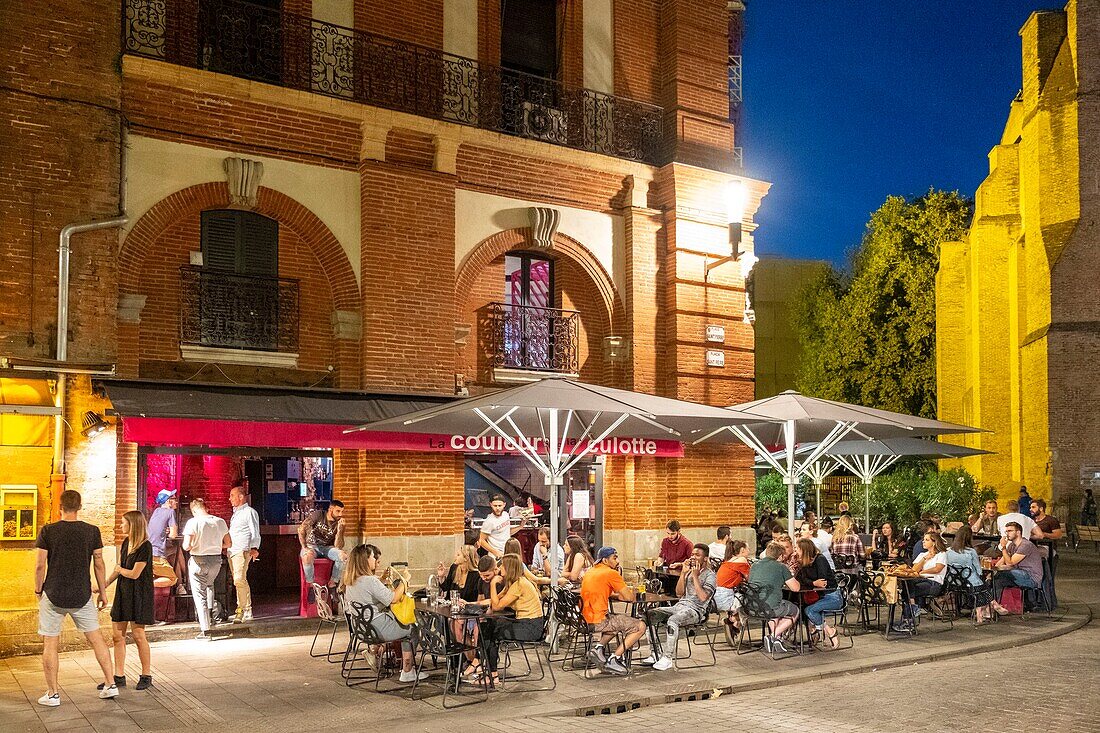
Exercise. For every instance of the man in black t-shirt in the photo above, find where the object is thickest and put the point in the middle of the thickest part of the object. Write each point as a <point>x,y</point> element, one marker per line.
<point>63,586</point>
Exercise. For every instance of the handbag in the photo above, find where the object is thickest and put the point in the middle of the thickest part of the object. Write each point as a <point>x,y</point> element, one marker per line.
<point>404,610</point>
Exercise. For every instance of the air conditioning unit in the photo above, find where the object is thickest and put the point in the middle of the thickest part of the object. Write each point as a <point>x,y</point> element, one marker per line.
<point>542,122</point>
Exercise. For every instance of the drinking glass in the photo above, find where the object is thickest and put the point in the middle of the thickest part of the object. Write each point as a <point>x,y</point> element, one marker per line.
<point>433,595</point>
<point>455,597</point>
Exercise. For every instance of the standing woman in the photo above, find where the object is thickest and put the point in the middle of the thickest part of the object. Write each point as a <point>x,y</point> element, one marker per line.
<point>133,604</point>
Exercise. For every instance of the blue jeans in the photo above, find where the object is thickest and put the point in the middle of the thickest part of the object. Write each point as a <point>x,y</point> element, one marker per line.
<point>1014,578</point>
<point>328,551</point>
<point>832,601</point>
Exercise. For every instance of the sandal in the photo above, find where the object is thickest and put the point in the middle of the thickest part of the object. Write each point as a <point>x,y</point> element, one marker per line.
<point>833,639</point>
<point>472,672</point>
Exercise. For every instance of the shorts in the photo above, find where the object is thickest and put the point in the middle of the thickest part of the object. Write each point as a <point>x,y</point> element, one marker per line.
<point>616,623</point>
<point>786,609</point>
<point>50,617</point>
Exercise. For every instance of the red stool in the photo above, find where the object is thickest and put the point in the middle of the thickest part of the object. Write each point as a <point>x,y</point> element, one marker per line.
<point>322,571</point>
<point>164,604</point>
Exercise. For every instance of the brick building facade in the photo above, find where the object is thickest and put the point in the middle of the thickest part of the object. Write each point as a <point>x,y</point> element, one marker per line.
<point>1018,326</point>
<point>399,152</point>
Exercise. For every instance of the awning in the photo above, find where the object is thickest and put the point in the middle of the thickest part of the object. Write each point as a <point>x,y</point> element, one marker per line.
<point>25,409</point>
<point>232,416</point>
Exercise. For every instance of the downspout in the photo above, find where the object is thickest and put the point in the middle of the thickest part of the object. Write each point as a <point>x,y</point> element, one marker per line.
<point>64,249</point>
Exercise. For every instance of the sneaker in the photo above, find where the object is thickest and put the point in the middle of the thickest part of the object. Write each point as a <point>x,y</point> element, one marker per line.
<point>106,693</point>
<point>901,627</point>
<point>615,666</point>
<point>651,659</point>
<point>238,617</point>
<point>768,644</point>
<point>664,663</point>
<point>50,701</point>
<point>412,676</point>
<point>778,647</point>
<point>120,681</point>
<point>145,681</point>
<point>598,655</point>
<point>203,636</point>
<point>247,616</point>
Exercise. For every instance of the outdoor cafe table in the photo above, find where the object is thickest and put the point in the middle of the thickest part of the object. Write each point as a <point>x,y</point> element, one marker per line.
<point>904,596</point>
<point>447,613</point>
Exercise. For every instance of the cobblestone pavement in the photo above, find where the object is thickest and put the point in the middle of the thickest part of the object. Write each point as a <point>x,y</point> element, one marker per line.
<point>269,685</point>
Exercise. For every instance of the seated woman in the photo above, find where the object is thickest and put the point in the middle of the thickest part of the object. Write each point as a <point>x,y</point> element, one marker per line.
<point>848,545</point>
<point>962,554</point>
<point>814,573</point>
<point>931,564</point>
<point>511,590</point>
<point>513,547</point>
<point>731,573</point>
<point>577,560</point>
<point>361,584</point>
<point>887,544</point>
<point>823,541</point>
<point>462,575</point>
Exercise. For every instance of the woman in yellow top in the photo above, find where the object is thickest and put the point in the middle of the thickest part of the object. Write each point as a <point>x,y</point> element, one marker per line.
<point>512,590</point>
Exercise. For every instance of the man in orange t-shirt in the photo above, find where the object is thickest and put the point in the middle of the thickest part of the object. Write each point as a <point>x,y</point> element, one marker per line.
<point>600,583</point>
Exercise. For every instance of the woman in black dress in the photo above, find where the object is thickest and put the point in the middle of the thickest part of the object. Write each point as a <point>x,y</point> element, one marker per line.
<point>133,604</point>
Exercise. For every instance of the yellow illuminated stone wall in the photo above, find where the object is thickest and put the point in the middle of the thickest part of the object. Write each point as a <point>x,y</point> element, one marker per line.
<point>1018,325</point>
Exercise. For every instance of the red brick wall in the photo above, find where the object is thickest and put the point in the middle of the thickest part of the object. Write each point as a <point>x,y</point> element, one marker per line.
<point>635,38</point>
<point>411,493</point>
<point>408,278</point>
<point>420,23</point>
<point>410,148</point>
<point>493,171</point>
<point>185,114</point>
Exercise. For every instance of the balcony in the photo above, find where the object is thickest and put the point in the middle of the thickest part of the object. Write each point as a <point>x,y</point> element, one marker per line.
<point>294,51</point>
<point>526,338</point>
<point>238,318</point>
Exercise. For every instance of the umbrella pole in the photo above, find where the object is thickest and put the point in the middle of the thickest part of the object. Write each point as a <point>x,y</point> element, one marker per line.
<point>817,487</point>
<point>788,434</point>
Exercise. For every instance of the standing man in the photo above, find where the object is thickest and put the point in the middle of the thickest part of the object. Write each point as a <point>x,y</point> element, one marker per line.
<point>204,536</point>
<point>322,535</point>
<point>1025,502</point>
<point>497,528</point>
<point>244,547</point>
<point>63,587</point>
<point>162,522</point>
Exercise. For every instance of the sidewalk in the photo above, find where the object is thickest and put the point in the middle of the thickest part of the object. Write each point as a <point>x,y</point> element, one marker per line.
<point>273,683</point>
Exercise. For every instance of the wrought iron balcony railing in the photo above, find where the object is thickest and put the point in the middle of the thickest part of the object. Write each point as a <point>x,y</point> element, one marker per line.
<point>228,311</point>
<point>529,337</point>
<point>253,42</point>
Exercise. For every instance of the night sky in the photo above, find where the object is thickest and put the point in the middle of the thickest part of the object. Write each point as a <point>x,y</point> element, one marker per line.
<point>848,102</point>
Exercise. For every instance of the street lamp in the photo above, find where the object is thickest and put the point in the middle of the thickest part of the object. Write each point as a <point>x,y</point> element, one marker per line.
<point>736,196</point>
<point>92,425</point>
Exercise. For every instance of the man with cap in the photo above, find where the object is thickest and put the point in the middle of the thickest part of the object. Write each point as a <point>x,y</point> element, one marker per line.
<point>602,582</point>
<point>162,522</point>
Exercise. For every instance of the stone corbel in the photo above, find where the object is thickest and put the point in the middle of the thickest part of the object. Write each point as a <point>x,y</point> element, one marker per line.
<point>130,306</point>
<point>544,226</point>
<point>446,155</point>
<point>347,325</point>
<point>243,177</point>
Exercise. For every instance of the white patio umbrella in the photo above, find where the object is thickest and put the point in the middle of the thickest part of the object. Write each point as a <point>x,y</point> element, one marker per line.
<point>793,418</point>
<point>556,422</point>
<point>867,459</point>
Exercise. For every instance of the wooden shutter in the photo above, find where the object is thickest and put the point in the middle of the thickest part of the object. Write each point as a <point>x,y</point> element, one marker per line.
<point>219,240</point>
<point>259,248</point>
<point>240,242</point>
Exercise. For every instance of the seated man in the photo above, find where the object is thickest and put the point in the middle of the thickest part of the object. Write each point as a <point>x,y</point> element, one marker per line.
<point>986,523</point>
<point>540,556</point>
<point>718,547</point>
<point>321,534</point>
<point>695,588</point>
<point>1027,525</point>
<point>1021,565</point>
<point>1049,527</point>
<point>771,576</point>
<point>675,548</point>
<point>602,582</point>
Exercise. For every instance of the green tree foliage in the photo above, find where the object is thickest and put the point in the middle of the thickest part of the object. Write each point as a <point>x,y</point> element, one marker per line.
<point>917,488</point>
<point>869,336</point>
<point>771,494</point>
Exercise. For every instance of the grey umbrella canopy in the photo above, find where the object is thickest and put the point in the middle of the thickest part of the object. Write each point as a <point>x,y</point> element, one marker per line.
<point>867,459</point>
<point>556,422</point>
<point>790,418</point>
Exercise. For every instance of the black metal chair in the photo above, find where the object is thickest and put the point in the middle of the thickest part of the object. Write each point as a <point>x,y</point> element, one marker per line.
<point>326,615</point>
<point>839,617</point>
<point>872,595</point>
<point>433,639</point>
<point>535,647</point>
<point>574,627</point>
<point>753,608</point>
<point>364,645</point>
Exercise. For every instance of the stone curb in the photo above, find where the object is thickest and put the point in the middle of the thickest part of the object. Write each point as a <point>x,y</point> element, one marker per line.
<point>785,677</point>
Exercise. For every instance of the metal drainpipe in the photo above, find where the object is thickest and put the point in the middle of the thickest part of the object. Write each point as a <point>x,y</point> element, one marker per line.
<point>63,252</point>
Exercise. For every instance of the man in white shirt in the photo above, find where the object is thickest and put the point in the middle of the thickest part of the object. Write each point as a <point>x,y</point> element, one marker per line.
<point>718,547</point>
<point>496,529</point>
<point>540,559</point>
<point>244,547</point>
<point>1028,527</point>
<point>204,536</point>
